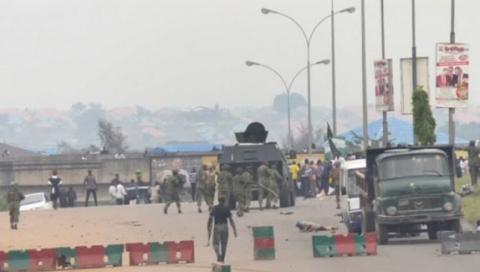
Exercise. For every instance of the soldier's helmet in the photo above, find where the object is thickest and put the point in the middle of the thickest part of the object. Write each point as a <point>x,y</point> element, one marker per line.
<point>175,172</point>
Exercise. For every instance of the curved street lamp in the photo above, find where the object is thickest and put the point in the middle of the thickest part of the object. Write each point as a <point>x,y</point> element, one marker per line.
<point>288,88</point>
<point>308,39</point>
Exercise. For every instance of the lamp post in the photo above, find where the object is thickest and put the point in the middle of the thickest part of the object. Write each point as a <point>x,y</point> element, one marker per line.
<point>288,88</point>
<point>308,39</point>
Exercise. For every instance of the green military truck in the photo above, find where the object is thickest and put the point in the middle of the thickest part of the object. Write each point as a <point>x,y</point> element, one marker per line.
<point>251,151</point>
<point>406,191</point>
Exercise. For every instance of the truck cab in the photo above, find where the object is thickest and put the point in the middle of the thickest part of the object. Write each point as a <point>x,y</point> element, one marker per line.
<point>410,189</point>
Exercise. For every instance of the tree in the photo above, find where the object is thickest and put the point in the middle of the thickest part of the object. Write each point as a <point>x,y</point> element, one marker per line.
<point>64,147</point>
<point>300,142</point>
<point>111,138</point>
<point>424,123</point>
<point>296,101</point>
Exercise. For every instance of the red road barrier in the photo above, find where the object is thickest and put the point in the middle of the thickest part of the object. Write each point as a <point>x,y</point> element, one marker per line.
<point>43,260</point>
<point>90,257</point>
<point>138,253</point>
<point>371,243</point>
<point>3,260</point>
<point>186,250</point>
<point>345,245</point>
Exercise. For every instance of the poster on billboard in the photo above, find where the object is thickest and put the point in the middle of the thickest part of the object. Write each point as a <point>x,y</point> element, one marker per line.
<point>383,85</point>
<point>407,81</point>
<point>451,81</point>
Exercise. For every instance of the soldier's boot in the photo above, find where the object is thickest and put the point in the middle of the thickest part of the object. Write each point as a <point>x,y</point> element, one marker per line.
<point>179,209</point>
<point>15,226</point>
<point>199,209</point>
<point>12,226</point>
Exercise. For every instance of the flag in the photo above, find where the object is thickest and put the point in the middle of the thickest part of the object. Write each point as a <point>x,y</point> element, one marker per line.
<point>333,148</point>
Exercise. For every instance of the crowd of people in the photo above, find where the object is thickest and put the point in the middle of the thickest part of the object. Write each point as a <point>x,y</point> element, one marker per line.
<point>313,178</point>
<point>233,184</point>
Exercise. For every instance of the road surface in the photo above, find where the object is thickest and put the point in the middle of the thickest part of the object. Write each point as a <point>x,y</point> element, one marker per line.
<point>147,223</point>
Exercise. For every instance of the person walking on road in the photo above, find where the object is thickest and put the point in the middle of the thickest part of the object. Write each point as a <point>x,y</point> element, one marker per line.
<point>248,179</point>
<point>274,183</point>
<point>263,175</point>
<point>218,218</point>
<point>336,182</point>
<point>473,161</point>
<point>174,185</point>
<point>239,186</point>
<point>14,197</point>
<point>193,182</point>
<point>55,181</point>
<point>202,188</point>
<point>90,183</point>
<point>224,183</point>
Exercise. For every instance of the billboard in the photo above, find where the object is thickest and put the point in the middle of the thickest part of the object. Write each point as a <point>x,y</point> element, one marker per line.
<point>451,81</point>
<point>383,85</point>
<point>406,80</point>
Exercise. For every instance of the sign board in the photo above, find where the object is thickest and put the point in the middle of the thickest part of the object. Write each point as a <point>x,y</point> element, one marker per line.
<point>383,85</point>
<point>451,81</point>
<point>406,80</point>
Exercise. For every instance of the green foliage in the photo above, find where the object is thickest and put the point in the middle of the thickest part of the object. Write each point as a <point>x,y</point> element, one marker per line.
<point>111,138</point>
<point>424,127</point>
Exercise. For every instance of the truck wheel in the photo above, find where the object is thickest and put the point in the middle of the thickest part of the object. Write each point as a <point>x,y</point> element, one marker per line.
<point>455,226</point>
<point>382,234</point>
<point>432,231</point>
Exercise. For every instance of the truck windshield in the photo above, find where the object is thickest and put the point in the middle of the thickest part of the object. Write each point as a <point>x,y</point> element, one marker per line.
<point>413,165</point>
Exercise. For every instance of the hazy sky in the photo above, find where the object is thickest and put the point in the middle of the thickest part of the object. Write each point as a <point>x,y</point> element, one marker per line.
<point>184,53</point>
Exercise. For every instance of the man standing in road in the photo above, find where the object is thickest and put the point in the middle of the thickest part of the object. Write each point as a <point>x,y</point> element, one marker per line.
<point>174,185</point>
<point>224,182</point>
<point>239,186</point>
<point>193,182</point>
<point>202,187</point>
<point>336,181</point>
<point>473,164</point>
<point>55,181</point>
<point>219,216</point>
<point>14,196</point>
<point>248,179</point>
<point>90,183</point>
<point>263,174</point>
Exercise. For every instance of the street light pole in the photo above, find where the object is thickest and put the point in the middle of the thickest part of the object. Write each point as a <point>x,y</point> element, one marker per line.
<point>308,40</point>
<point>288,89</point>
<point>414,66</point>
<point>364,83</point>
<point>334,93</point>
<point>451,111</point>
<point>384,113</point>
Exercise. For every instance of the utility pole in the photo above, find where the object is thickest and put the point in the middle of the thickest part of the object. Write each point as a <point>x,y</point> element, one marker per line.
<point>334,94</point>
<point>364,83</point>
<point>385,120</point>
<point>451,111</point>
<point>414,66</point>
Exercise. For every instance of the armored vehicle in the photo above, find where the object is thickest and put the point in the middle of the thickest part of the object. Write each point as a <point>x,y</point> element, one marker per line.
<point>251,151</point>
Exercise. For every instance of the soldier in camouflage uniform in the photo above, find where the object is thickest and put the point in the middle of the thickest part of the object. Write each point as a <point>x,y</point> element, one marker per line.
<point>211,187</point>
<point>202,185</point>
<point>263,175</point>
<point>14,196</point>
<point>275,179</point>
<point>239,186</point>
<point>174,184</point>
<point>224,183</point>
<point>248,178</point>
